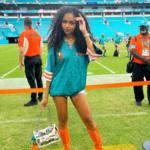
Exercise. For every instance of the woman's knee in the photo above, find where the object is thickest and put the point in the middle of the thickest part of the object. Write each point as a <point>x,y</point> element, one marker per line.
<point>88,120</point>
<point>63,119</point>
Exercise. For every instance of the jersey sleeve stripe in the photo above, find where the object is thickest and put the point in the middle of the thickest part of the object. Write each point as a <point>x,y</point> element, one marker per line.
<point>48,73</point>
<point>47,78</point>
<point>93,55</point>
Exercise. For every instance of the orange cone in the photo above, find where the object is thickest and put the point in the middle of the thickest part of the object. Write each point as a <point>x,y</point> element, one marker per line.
<point>96,139</point>
<point>65,138</point>
<point>34,147</point>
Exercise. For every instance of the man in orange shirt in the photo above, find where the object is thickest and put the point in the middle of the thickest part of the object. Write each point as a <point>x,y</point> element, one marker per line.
<point>31,47</point>
<point>140,49</point>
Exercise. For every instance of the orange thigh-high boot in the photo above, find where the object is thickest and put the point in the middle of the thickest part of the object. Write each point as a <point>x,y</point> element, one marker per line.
<point>65,138</point>
<point>96,139</point>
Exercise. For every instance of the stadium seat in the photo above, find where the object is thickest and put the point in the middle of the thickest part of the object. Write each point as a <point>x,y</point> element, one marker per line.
<point>71,0</point>
<point>121,26</point>
<point>41,1</point>
<point>2,20</point>
<point>93,1</point>
<point>43,28</point>
<point>11,20</point>
<point>10,1</point>
<point>98,27</point>
<point>19,26</point>
<point>4,28</point>
<point>24,1</point>
<point>136,0</point>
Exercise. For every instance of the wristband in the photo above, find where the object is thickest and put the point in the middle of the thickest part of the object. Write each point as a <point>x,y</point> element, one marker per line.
<point>86,35</point>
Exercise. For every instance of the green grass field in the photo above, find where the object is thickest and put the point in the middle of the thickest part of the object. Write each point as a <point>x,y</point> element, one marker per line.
<point>119,120</point>
<point>9,60</point>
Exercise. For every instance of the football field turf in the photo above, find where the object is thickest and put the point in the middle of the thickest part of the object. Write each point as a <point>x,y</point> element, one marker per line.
<point>9,61</point>
<point>119,120</point>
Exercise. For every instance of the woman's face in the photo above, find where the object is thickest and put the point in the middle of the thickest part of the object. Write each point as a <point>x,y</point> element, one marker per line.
<point>68,23</point>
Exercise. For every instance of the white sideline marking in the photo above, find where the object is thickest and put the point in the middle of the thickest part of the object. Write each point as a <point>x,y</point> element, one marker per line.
<point>8,51</point>
<point>9,72</point>
<point>13,50</point>
<point>89,73</point>
<point>96,115</point>
<point>6,46</point>
<point>22,120</point>
<point>105,67</point>
<point>119,115</point>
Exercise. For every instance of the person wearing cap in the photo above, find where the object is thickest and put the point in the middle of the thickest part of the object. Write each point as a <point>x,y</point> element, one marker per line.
<point>140,49</point>
<point>30,47</point>
<point>102,42</point>
<point>128,43</point>
<point>117,40</point>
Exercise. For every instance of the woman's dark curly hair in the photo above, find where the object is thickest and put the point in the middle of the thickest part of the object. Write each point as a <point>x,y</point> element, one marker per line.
<point>56,33</point>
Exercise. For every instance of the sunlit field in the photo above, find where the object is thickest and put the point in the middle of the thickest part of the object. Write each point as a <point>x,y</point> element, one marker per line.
<point>119,120</point>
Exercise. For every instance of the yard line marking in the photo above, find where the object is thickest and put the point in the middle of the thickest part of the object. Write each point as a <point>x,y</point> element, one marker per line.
<point>22,120</point>
<point>119,115</point>
<point>89,73</point>
<point>44,49</point>
<point>96,115</point>
<point>9,72</point>
<point>13,50</point>
<point>6,45</point>
<point>3,48</point>
<point>105,67</point>
<point>8,51</point>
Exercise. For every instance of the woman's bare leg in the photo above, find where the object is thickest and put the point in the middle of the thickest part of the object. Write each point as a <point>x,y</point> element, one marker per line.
<point>62,111</point>
<point>82,106</point>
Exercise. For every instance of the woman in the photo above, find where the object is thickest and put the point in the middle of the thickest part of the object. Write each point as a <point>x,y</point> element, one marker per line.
<point>70,51</point>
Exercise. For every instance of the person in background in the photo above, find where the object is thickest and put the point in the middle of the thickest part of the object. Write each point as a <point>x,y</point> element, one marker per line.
<point>102,42</point>
<point>31,47</point>
<point>70,51</point>
<point>128,43</point>
<point>117,40</point>
<point>140,49</point>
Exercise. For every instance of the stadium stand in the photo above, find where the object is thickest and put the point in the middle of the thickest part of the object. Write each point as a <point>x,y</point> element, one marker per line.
<point>21,1</point>
<point>98,27</point>
<point>6,31</point>
<point>19,25</point>
<point>72,0</point>
<point>40,1</point>
<point>111,22</point>
<point>118,23</point>
<point>1,34</point>
<point>115,24</point>
<point>10,20</point>
<point>4,28</point>
<point>3,20</point>
<point>93,0</point>
<point>11,1</point>
<point>43,28</point>
<point>134,20</point>
<point>147,17</point>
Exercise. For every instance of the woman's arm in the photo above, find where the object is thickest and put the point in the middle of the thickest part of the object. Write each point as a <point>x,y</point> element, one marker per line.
<point>45,99</point>
<point>82,27</point>
<point>89,42</point>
